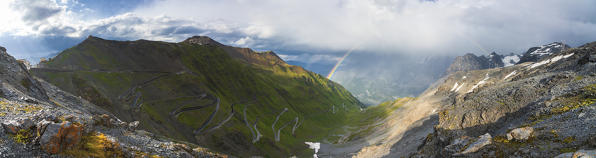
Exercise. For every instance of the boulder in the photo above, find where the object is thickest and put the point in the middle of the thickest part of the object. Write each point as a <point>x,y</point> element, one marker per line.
<point>520,134</point>
<point>102,120</point>
<point>578,154</point>
<point>484,140</point>
<point>41,128</point>
<point>458,144</point>
<point>133,125</point>
<point>58,137</point>
<point>14,125</point>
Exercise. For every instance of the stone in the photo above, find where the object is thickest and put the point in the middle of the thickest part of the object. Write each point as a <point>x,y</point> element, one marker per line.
<point>40,129</point>
<point>102,120</point>
<point>520,134</point>
<point>578,154</point>
<point>58,137</point>
<point>133,125</point>
<point>13,126</point>
<point>182,147</point>
<point>458,144</point>
<point>484,140</point>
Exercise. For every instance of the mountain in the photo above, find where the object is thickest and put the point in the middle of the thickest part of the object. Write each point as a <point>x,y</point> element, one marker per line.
<point>493,60</point>
<point>231,100</point>
<point>532,109</point>
<point>472,62</point>
<point>38,119</point>
<point>536,53</point>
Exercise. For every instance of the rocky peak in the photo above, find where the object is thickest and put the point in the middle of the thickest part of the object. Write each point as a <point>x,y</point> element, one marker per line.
<point>202,40</point>
<point>536,53</point>
<point>93,38</point>
<point>2,49</point>
<point>467,62</point>
<point>494,60</point>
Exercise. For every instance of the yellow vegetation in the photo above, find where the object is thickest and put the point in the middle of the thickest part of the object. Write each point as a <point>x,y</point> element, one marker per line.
<point>95,145</point>
<point>500,139</point>
<point>23,136</point>
<point>569,139</point>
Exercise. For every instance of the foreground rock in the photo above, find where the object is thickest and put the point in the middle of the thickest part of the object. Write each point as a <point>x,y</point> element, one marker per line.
<point>579,154</point>
<point>58,137</point>
<point>484,140</point>
<point>520,134</point>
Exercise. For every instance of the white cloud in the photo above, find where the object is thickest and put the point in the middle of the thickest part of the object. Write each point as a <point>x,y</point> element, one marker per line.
<point>413,26</point>
<point>403,26</point>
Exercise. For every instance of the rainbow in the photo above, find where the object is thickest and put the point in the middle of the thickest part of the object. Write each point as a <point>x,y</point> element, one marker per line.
<point>332,72</point>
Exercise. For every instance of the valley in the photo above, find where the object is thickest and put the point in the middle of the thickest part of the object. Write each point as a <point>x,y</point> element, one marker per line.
<point>238,102</point>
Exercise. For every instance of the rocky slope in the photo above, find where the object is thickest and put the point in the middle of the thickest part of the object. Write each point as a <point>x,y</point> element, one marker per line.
<point>232,100</point>
<point>39,120</point>
<point>536,53</point>
<point>533,109</point>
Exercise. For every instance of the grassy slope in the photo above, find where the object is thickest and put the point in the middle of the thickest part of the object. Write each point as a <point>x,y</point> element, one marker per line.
<point>211,70</point>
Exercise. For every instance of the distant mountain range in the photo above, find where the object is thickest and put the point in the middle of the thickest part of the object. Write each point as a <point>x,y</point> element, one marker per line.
<point>493,60</point>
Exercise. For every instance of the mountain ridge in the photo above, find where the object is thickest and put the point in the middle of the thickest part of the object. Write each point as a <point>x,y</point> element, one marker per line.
<point>202,86</point>
<point>531,109</point>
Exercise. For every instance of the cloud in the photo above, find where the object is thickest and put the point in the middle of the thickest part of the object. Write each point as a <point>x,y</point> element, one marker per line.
<point>403,26</point>
<point>378,26</point>
<point>36,10</point>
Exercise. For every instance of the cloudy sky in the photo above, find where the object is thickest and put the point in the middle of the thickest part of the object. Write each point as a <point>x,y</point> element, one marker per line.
<point>308,31</point>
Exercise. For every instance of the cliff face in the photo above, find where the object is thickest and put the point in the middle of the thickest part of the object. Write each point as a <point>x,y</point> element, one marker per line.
<point>38,119</point>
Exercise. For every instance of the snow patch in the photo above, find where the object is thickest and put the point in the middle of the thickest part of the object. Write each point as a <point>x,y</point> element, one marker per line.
<point>551,60</point>
<point>510,74</point>
<point>454,87</point>
<point>546,49</point>
<point>479,83</point>
<point>464,77</point>
<point>459,87</point>
<point>314,145</point>
<point>510,60</point>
